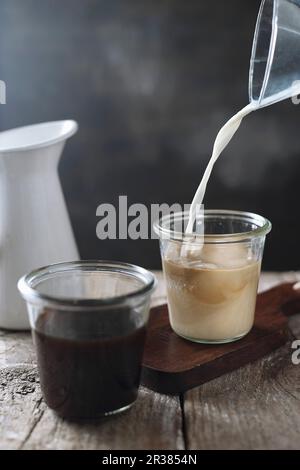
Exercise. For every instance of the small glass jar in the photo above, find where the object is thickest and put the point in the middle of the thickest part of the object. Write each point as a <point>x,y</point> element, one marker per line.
<point>88,320</point>
<point>212,275</point>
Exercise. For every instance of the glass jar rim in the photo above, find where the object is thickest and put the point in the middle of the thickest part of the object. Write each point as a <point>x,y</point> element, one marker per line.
<point>27,285</point>
<point>263,227</point>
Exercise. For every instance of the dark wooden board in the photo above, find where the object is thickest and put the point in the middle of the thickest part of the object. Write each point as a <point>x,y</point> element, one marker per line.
<point>172,365</point>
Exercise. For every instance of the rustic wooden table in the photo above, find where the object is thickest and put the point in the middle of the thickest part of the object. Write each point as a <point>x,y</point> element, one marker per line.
<point>256,407</point>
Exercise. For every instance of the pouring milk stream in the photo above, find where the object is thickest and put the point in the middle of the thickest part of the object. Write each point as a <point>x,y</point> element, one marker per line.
<point>274,76</point>
<point>223,138</point>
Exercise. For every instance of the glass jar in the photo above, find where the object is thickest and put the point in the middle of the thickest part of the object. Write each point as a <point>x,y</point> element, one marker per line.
<point>212,275</point>
<point>88,320</point>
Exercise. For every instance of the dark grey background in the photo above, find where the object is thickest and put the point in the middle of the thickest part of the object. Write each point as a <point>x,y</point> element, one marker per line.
<point>150,83</point>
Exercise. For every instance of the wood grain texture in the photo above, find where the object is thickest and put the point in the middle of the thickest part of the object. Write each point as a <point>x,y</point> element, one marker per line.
<point>254,407</point>
<point>172,365</point>
<point>27,423</point>
<point>154,422</point>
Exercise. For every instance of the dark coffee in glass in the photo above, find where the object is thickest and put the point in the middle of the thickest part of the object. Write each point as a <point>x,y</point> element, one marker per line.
<point>89,325</point>
<point>89,375</point>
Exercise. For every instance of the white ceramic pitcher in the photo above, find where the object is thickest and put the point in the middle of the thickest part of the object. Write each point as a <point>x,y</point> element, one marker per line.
<point>35,228</point>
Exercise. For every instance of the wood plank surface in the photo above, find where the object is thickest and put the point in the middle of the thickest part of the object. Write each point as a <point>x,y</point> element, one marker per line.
<point>254,407</point>
<point>154,422</point>
<point>27,423</point>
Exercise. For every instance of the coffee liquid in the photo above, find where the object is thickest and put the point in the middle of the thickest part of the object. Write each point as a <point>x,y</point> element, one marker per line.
<point>84,373</point>
<point>212,293</point>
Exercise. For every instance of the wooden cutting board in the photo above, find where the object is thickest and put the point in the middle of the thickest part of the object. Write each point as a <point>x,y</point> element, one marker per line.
<point>172,365</point>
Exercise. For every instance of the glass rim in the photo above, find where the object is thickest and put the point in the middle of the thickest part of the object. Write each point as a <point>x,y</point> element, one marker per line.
<point>264,226</point>
<point>31,294</point>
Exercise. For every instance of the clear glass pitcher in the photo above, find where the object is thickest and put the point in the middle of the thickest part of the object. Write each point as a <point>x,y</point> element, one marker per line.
<point>274,76</point>
<point>275,61</point>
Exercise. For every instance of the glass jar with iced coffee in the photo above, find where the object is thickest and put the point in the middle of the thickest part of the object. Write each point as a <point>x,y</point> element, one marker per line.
<point>212,274</point>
